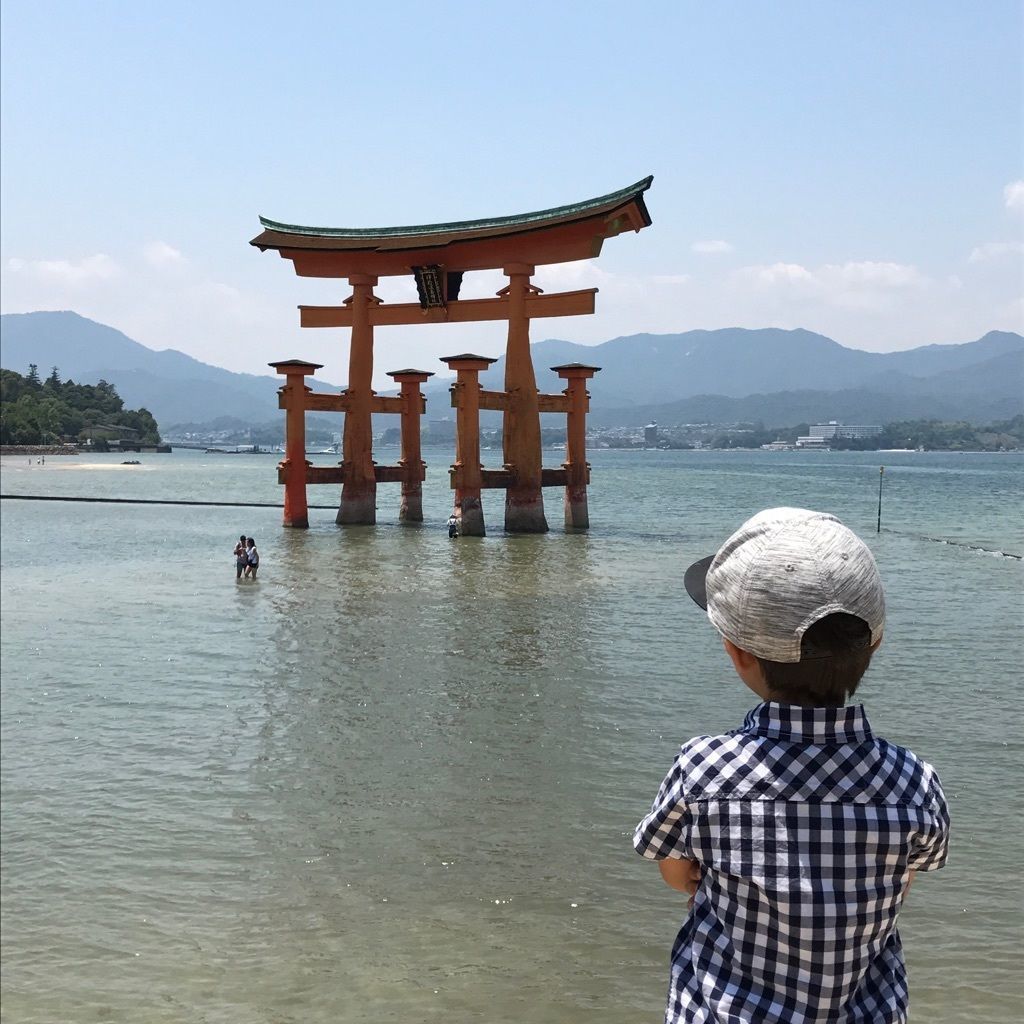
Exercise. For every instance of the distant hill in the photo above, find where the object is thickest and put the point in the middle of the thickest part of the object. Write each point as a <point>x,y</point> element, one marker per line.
<point>787,408</point>
<point>650,369</point>
<point>783,378</point>
<point>776,376</point>
<point>174,387</point>
<point>982,392</point>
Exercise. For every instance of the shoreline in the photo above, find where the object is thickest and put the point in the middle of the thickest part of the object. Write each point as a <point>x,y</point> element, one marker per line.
<point>39,449</point>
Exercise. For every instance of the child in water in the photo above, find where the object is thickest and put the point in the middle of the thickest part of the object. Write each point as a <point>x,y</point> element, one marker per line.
<point>241,558</point>
<point>253,557</point>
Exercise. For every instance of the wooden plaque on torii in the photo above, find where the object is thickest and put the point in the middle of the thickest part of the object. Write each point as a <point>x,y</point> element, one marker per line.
<point>437,256</point>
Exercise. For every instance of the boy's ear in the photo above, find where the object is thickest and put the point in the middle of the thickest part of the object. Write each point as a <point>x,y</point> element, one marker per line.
<point>743,661</point>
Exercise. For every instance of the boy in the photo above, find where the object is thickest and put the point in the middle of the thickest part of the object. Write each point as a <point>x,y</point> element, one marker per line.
<point>241,557</point>
<point>798,834</point>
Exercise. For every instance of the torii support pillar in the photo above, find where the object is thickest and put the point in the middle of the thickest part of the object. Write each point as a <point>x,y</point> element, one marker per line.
<point>359,479</point>
<point>467,472</point>
<point>292,398</point>
<point>411,461</point>
<point>524,499</point>
<point>577,469</point>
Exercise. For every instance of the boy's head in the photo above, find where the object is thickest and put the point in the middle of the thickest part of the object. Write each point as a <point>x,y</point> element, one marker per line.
<point>801,594</point>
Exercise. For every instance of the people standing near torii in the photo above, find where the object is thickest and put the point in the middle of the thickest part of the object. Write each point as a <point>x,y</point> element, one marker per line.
<point>241,557</point>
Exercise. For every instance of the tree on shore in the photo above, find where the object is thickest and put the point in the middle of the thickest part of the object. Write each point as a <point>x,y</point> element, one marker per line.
<point>37,412</point>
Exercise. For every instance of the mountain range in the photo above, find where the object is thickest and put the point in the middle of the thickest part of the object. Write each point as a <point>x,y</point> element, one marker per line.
<point>779,377</point>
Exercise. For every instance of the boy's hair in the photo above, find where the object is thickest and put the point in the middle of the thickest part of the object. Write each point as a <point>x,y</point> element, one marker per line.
<point>835,653</point>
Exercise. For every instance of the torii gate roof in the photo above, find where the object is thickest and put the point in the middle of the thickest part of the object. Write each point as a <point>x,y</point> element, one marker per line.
<point>558,235</point>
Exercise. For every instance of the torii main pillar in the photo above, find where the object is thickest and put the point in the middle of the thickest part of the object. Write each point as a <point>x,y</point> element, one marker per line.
<point>524,500</point>
<point>359,488</point>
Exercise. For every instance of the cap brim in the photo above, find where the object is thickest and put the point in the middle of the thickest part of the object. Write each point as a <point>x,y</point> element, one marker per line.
<point>695,581</point>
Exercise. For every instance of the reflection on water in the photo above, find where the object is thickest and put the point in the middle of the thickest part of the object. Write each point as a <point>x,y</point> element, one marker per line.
<point>396,777</point>
<point>413,760</point>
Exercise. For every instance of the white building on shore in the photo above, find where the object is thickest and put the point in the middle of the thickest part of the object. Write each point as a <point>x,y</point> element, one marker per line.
<point>820,434</point>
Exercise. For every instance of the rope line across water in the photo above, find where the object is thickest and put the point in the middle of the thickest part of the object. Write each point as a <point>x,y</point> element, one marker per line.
<point>954,543</point>
<point>155,501</point>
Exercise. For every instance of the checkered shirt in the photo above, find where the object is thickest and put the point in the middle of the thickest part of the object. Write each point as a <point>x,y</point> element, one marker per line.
<point>806,828</point>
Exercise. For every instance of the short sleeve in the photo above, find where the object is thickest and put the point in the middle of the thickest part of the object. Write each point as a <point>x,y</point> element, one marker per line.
<point>931,845</point>
<point>663,833</point>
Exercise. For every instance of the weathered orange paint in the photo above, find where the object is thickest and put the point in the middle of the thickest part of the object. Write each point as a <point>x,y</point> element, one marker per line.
<point>359,490</point>
<point>462,311</point>
<point>562,243</point>
<point>524,500</point>
<point>577,469</point>
<point>292,396</point>
<point>517,245</point>
<point>467,472</point>
<point>411,460</point>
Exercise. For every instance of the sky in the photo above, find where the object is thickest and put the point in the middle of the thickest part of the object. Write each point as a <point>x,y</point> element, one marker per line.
<point>852,169</point>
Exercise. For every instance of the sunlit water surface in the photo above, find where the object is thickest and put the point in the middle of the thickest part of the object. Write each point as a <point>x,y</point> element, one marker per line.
<point>395,779</point>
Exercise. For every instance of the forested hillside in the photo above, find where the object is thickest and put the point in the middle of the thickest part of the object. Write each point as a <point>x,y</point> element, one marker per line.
<point>36,411</point>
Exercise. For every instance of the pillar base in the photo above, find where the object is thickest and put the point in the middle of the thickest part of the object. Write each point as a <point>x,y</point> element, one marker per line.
<point>524,512</point>
<point>411,509</point>
<point>577,515</point>
<point>471,518</point>
<point>297,523</point>
<point>359,509</point>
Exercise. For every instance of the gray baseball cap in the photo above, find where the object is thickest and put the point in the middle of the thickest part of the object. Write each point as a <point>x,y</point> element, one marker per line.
<point>779,573</point>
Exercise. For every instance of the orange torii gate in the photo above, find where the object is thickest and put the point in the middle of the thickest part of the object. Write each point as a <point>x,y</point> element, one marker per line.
<point>438,256</point>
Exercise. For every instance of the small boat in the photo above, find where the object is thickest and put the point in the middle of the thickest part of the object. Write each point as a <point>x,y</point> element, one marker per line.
<point>131,462</point>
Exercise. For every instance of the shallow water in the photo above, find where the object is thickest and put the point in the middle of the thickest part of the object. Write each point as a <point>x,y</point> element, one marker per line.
<point>396,777</point>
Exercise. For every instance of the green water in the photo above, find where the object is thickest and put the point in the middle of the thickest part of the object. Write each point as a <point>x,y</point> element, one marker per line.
<point>395,779</point>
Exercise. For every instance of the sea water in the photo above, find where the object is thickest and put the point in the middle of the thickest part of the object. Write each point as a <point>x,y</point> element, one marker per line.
<point>396,777</point>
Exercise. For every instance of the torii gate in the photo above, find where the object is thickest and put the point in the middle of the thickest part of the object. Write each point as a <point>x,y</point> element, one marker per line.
<point>437,256</point>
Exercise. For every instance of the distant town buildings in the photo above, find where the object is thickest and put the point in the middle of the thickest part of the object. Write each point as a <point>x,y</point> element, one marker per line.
<point>819,434</point>
<point>651,435</point>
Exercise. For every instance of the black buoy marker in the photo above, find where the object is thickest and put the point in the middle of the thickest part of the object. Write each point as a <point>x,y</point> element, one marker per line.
<point>881,474</point>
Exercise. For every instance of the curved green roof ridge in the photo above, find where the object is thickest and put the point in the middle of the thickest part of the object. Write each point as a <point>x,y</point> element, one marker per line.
<point>633,191</point>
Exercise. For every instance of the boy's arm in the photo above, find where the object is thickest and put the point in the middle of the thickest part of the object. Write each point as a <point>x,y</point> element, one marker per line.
<point>681,874</point>
<point>663,835</point>
<point>660,834</point>
<point>931,846</point>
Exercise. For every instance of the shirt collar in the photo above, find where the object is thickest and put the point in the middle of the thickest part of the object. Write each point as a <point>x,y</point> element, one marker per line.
<point>795,724</point>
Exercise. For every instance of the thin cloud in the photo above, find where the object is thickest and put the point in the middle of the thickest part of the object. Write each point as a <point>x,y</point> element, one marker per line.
<point>71,273</point>
<point>995,251</point>
<point>713,246</point>
<point>865,285</point>
<point>776,274</point>
<point>855,274</point>
<point>1013,196</point>
<point>160,254</point>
